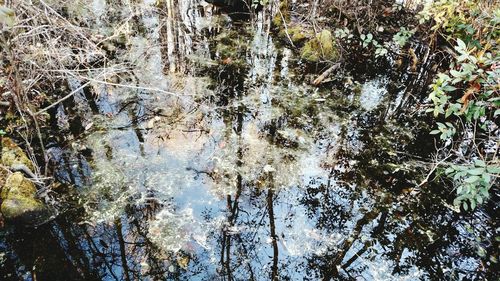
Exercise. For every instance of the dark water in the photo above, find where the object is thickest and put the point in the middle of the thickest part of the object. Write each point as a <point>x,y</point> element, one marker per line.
<point>209,168</point>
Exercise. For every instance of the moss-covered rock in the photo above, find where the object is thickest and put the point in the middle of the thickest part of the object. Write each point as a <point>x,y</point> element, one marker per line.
<point>296,33</point>
<point>18,196</point>
<point>3,177</point>
<point>12,154</point>
<point>322,47</point>
<point>19,202</point>
<point>290,30</point>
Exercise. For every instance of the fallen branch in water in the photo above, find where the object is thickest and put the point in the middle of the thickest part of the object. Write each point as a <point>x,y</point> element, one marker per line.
<point>325,74</point>
<point>435,165</point>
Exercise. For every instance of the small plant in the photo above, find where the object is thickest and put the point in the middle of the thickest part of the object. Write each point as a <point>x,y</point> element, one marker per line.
<point>343,33</point>
<point>447,130</point>
<point>473,182</point>
<point>380,50</point>
<point>473,72</point>
<point>401,38</point>
<point>366,40</point>
<point>468,96</point>
<point>2,132</point>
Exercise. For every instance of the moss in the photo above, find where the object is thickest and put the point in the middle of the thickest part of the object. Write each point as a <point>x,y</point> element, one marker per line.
<point>18,194</point>
<point>231,48</point>
<point>297,33</point>
<point>25,210</point>
<point>282,13</point>
<point>17,186</point>
<point>322,47</point>
<point>19,201</point>
<point>3,177</point>
<point>12,154</point>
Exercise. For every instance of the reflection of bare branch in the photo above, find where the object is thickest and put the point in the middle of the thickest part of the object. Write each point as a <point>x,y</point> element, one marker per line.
<point>332,270</point>
<point>226,237</point>
<point>356,256</point>
<point>274,237</point>
<point>123,255</point>
<point>375,232</point>
<point>92,244</point>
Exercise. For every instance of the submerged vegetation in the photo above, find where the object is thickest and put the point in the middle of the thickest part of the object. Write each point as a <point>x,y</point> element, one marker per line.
<point>249,140</point>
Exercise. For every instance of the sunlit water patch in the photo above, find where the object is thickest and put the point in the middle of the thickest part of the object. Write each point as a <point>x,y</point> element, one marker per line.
<point>373,93</point>
<point>216,160</point>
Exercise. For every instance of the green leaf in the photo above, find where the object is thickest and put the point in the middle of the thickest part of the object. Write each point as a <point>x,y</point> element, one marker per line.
<point>449,112</point>
<point>472,204</point>
<point>457,176</point>
<point>455,73</point>
<point>476,171</point>
<point>484,192</point>
<point>461,44</point>
<point>462,57</point>
<point>449,170</point>
<point>449,88</point>
<point>479,163</point>
<point>472,179</point>
<point>486,178</point>
<point>493,169</point>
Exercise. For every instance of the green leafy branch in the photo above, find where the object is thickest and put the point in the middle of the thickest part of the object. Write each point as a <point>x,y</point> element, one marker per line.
<point>473,182</point>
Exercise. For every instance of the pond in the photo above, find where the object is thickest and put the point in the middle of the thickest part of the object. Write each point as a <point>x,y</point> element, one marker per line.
<point>206,153</point>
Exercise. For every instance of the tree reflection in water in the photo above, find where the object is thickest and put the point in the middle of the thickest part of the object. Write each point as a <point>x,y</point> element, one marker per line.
<point>255,176</point>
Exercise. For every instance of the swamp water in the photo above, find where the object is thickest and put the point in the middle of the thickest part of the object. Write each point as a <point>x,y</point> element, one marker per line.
<point>216,159</point>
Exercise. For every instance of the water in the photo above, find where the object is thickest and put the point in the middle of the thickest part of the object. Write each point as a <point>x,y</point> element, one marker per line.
<point>217,160</point>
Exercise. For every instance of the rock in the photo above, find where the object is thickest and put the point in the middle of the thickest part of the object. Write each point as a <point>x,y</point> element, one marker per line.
<point>20,204</point>
<point>12,154</point>
<point>322,47</point>
<point>296,33</point>
<point>3,176</point>
<point>18,195</point>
